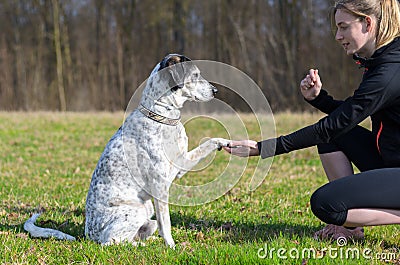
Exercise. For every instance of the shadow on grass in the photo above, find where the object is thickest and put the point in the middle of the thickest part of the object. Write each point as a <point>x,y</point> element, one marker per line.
<point>244,232</point>
<point>384,244</point>
<point>233,233</point>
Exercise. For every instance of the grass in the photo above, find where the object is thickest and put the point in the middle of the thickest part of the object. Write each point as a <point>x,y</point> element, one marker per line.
<point>47,159</point>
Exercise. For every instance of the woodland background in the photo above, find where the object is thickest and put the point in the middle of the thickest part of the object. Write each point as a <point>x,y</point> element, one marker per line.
<point>85,55</point>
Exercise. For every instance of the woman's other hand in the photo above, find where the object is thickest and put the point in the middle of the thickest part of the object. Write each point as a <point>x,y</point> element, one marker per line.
<point>311,85</point>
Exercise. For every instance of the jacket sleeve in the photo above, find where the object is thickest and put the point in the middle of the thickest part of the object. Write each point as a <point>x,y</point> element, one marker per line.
<point>324,102</point>
<point>371,96</point>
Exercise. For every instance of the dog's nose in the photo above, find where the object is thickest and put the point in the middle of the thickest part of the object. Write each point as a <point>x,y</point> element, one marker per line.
<point>214,89</point>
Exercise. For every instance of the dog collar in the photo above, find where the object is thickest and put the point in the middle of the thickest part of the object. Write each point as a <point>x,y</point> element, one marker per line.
<point>157,117</point>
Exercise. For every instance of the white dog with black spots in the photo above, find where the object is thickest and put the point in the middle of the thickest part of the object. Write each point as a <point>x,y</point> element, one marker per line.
<point>142,159</point>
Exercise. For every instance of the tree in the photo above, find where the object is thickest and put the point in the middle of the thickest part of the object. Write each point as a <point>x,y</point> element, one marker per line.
<point>59,56</point>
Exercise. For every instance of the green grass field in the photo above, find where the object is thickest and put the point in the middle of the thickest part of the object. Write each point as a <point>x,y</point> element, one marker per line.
<point>46,162</point>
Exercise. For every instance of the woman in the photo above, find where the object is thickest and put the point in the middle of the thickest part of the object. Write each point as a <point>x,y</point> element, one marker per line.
<point>368,30</point>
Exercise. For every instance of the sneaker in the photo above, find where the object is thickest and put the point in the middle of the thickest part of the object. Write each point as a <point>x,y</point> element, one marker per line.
<point>333,232</point>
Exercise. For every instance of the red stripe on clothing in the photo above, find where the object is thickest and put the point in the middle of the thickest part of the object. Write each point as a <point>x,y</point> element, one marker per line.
<point>377,137</point>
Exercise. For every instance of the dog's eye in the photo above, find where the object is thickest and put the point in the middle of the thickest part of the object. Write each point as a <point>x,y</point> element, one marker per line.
<point>196,75</point>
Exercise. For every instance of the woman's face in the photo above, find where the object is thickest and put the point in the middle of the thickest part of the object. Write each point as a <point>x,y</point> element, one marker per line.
<point>356,35</point>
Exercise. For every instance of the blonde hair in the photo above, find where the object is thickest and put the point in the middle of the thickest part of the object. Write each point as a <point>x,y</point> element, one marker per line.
<point>386,12</point>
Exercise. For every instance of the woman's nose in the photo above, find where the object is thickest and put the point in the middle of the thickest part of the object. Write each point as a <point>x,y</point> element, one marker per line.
<point>338,36</point>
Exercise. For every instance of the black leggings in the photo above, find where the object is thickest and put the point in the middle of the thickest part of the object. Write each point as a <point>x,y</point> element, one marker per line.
<point>375,187</point>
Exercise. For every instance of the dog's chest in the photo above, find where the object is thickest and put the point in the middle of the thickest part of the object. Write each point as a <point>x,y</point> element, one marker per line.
<point>163,143</point>
<point>175,142</point>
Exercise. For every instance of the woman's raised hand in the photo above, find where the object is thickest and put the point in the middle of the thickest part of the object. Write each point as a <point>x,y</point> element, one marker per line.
<point>311,85</point>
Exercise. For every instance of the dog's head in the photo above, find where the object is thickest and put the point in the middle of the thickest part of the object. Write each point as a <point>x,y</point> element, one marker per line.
<point>184,79</point>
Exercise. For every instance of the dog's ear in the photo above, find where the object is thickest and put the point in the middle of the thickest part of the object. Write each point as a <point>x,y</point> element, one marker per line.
<point>177,72</point>
<point>172,59</point>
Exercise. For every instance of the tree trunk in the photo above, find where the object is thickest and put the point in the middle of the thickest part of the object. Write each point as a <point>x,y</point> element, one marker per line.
<point>68,71</point>
<point>57,45</point>
<point>120,62</point>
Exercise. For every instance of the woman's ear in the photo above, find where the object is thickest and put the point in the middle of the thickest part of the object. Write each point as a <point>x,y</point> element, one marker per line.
<point>370,23</point>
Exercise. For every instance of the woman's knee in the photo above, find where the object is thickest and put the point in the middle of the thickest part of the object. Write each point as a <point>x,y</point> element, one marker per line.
<point>326,206</point>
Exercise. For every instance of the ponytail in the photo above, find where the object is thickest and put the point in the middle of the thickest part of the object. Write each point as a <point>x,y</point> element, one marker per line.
<point>389,23</point>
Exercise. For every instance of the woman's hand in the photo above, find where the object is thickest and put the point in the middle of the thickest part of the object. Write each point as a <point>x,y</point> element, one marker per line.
<point>243,148</point>
<point>311,85</point>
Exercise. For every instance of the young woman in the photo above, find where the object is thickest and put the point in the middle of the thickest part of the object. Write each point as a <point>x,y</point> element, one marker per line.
<point>368,30</point>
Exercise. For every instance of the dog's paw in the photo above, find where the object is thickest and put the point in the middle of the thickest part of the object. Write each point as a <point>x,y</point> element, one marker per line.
<point>220,142</point>
<point>170,243</point>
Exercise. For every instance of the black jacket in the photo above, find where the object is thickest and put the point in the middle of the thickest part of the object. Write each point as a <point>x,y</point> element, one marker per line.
<point>377,96</point>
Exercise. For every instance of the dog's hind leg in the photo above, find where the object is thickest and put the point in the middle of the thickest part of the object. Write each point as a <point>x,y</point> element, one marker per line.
<point>149,227</point>
<point>147,230</point>
<point>123,225</point>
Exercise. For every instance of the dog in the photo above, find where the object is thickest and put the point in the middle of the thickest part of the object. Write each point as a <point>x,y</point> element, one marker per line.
<point>142,159</point>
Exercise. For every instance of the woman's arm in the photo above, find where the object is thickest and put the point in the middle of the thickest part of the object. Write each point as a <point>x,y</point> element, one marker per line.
<point>372,95</point>
<point>311,89</point>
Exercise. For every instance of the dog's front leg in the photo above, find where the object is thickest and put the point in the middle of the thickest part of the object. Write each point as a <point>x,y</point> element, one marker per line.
<point>164,221</point>
<point>193,157</point>
<point>160,193</point>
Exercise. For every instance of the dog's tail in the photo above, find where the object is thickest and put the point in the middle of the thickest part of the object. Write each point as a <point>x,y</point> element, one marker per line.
<point>36,231</point>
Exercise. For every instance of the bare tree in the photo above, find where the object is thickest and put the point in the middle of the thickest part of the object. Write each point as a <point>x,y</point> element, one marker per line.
<point>57,45</point>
